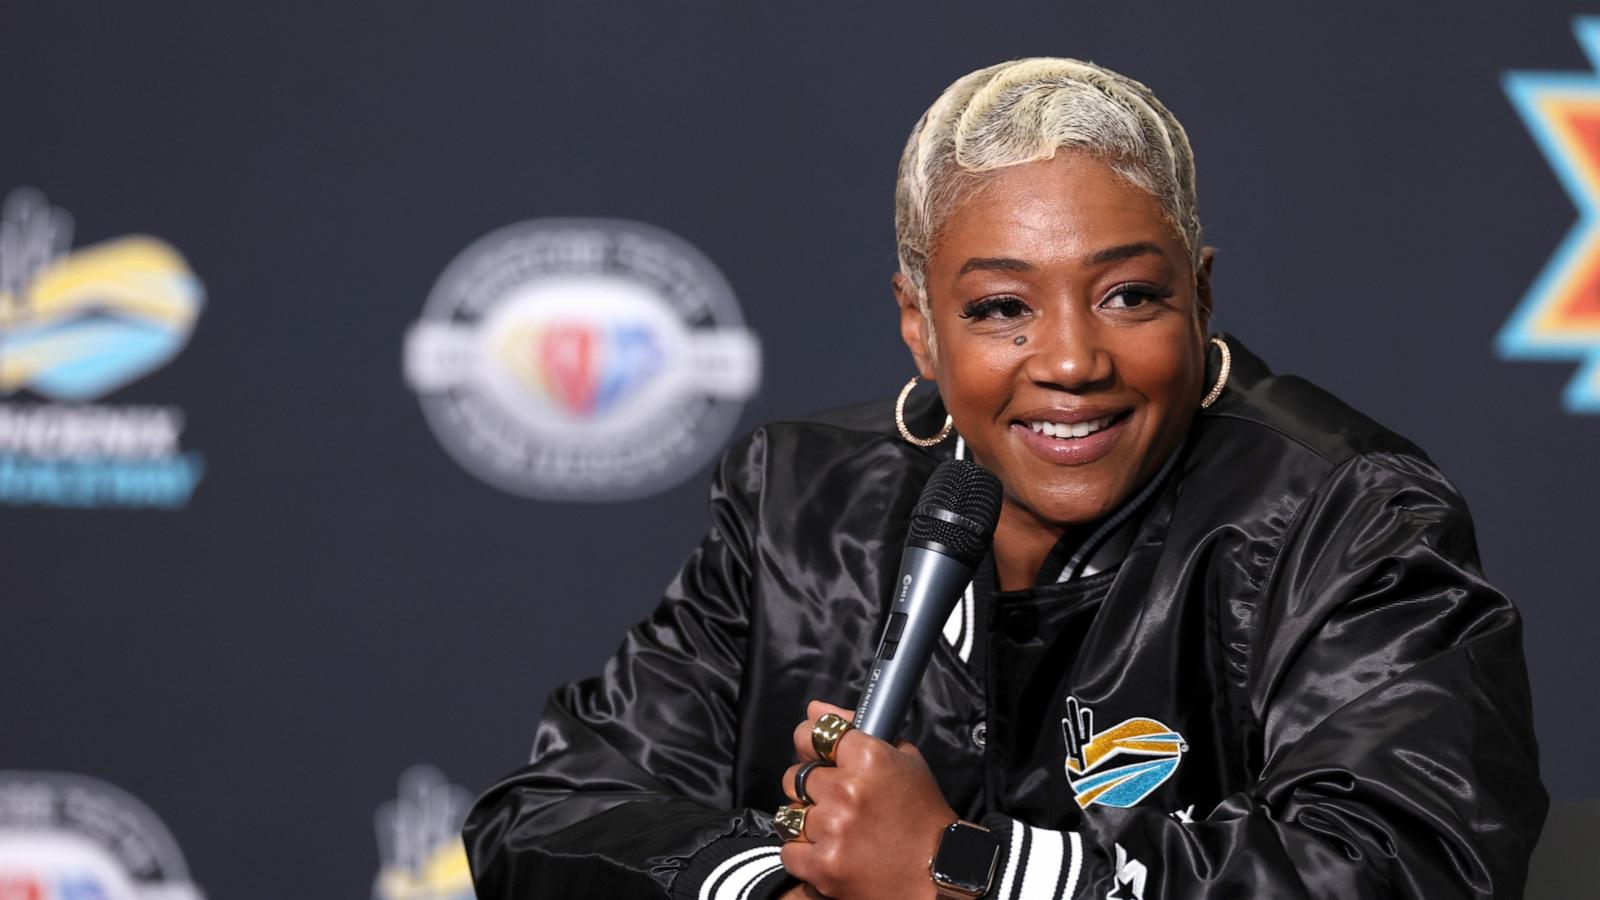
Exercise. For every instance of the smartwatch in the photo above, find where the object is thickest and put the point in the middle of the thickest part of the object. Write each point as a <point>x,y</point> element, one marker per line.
<point>964,865</point>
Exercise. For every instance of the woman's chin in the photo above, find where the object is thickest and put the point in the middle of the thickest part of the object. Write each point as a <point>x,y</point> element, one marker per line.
<point>1081,505</point>
<point>1063,495</point>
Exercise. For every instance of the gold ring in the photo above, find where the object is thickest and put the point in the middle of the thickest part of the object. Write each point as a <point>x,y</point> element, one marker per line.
<point>826,733</point>
<point>790,822</point>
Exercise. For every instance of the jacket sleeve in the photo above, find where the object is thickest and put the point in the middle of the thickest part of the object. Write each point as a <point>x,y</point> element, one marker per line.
<point>1394,745</point>
<point>629,789</point>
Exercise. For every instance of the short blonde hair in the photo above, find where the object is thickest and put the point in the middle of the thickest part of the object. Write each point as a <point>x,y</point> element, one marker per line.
<point>1024,111</point>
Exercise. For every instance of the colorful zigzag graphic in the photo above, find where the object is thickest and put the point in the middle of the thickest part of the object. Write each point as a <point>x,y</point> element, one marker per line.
<point>1559,317</point>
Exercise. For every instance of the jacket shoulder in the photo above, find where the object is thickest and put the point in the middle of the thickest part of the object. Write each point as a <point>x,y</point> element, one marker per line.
<point>819,469</point>
<point>1291,410</point>
<point>845,440</point>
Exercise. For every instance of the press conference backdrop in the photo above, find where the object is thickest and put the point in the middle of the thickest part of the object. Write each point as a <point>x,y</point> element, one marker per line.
<point>361,364</point>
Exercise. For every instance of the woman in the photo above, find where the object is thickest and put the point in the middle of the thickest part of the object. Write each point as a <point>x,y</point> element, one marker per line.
<point>1231,639</point>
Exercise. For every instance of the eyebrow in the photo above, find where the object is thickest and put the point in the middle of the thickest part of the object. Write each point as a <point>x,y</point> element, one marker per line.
<point>1121,252</point>
<point>1097,258</point>
<point>1001,263</point>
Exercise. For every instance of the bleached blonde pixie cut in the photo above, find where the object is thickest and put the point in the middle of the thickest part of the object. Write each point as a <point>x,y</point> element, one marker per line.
<point>1024,111</point>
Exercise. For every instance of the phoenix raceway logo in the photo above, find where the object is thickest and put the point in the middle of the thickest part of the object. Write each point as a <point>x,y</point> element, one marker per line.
<point>1559,318</point>
<point>67,837</point>
<point>1156,749</point>
<point>582,359</point>
<point>76,325</point>
<point>419,840</point>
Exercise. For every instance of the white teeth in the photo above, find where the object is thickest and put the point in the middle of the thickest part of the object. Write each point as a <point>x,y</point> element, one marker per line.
<point>1075,430</point>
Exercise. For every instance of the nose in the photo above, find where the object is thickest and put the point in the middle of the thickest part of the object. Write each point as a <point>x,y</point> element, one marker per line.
<point>1070,356</point>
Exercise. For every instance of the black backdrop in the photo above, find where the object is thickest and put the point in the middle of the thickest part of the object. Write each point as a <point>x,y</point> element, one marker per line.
<point>340,600</point>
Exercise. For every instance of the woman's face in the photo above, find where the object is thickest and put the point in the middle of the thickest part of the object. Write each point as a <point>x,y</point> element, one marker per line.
<point>1063,301</point>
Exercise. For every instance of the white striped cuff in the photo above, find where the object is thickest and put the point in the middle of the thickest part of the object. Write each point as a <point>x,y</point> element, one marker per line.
<point>1040,864</point>
<point>739,875</point>
<point>745,867</point>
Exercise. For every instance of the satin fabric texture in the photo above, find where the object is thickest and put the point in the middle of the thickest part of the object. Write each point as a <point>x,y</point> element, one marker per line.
<point>1302,603</point>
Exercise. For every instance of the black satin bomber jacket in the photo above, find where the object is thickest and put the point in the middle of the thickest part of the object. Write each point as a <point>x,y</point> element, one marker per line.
<point>1297,683</point>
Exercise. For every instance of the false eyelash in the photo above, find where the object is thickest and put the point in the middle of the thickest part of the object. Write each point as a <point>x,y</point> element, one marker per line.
<point>1143,292</point>
<point>982,308</point>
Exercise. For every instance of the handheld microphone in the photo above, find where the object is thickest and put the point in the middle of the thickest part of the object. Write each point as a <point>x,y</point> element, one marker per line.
<point>951,528</point>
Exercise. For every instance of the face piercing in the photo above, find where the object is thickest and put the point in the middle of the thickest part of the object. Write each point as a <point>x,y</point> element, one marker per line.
<point>1020,340</point>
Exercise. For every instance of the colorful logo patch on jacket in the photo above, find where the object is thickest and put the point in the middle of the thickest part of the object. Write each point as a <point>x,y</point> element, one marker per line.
<point>1121,765</point>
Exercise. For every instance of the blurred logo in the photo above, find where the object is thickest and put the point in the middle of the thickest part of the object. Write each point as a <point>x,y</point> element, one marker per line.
<point>1559,318</point>
<point>1089,753</point>
<point>582,359</point>
<point>1128,877</point>
<point>75,326</point>
<point>419,840</point>
<point>67,837</point>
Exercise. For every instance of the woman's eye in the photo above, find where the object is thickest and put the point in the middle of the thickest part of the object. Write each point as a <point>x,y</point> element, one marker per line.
<point>1134,297</point>
<point>995,308</point>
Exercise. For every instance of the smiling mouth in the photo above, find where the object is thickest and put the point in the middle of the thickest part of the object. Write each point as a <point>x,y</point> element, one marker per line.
<point>1065,432</point>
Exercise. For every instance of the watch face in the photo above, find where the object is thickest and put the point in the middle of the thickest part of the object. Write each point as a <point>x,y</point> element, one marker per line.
<point>966,859</point>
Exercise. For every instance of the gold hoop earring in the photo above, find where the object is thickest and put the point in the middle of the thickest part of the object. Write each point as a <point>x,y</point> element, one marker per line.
<point>900,420</point>
<point>1222,374</point>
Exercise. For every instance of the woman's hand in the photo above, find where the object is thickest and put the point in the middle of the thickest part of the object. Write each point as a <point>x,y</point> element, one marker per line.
<point>876,820</point>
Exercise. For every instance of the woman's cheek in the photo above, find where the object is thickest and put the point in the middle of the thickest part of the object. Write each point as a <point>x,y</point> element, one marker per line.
<point>981,382</point>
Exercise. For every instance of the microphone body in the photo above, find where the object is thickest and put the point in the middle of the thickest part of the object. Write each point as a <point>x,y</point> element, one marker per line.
<point>951,528</point>
<point>927,590</point>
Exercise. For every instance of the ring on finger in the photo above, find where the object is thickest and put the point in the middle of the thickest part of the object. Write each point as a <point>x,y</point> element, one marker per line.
<point>800,777</point>
<point>790,822</point>
<point>826,733</point>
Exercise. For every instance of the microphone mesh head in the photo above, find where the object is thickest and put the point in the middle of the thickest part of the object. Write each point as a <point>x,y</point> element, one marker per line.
<point>972,494</point>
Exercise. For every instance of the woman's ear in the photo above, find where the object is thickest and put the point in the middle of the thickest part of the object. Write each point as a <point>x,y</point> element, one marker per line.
<point>915,329</point>
<point>1202,281</point>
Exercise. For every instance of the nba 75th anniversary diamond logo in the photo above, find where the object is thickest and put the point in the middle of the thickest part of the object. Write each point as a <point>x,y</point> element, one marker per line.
<point>582,359</point>
<point>72,837</point>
